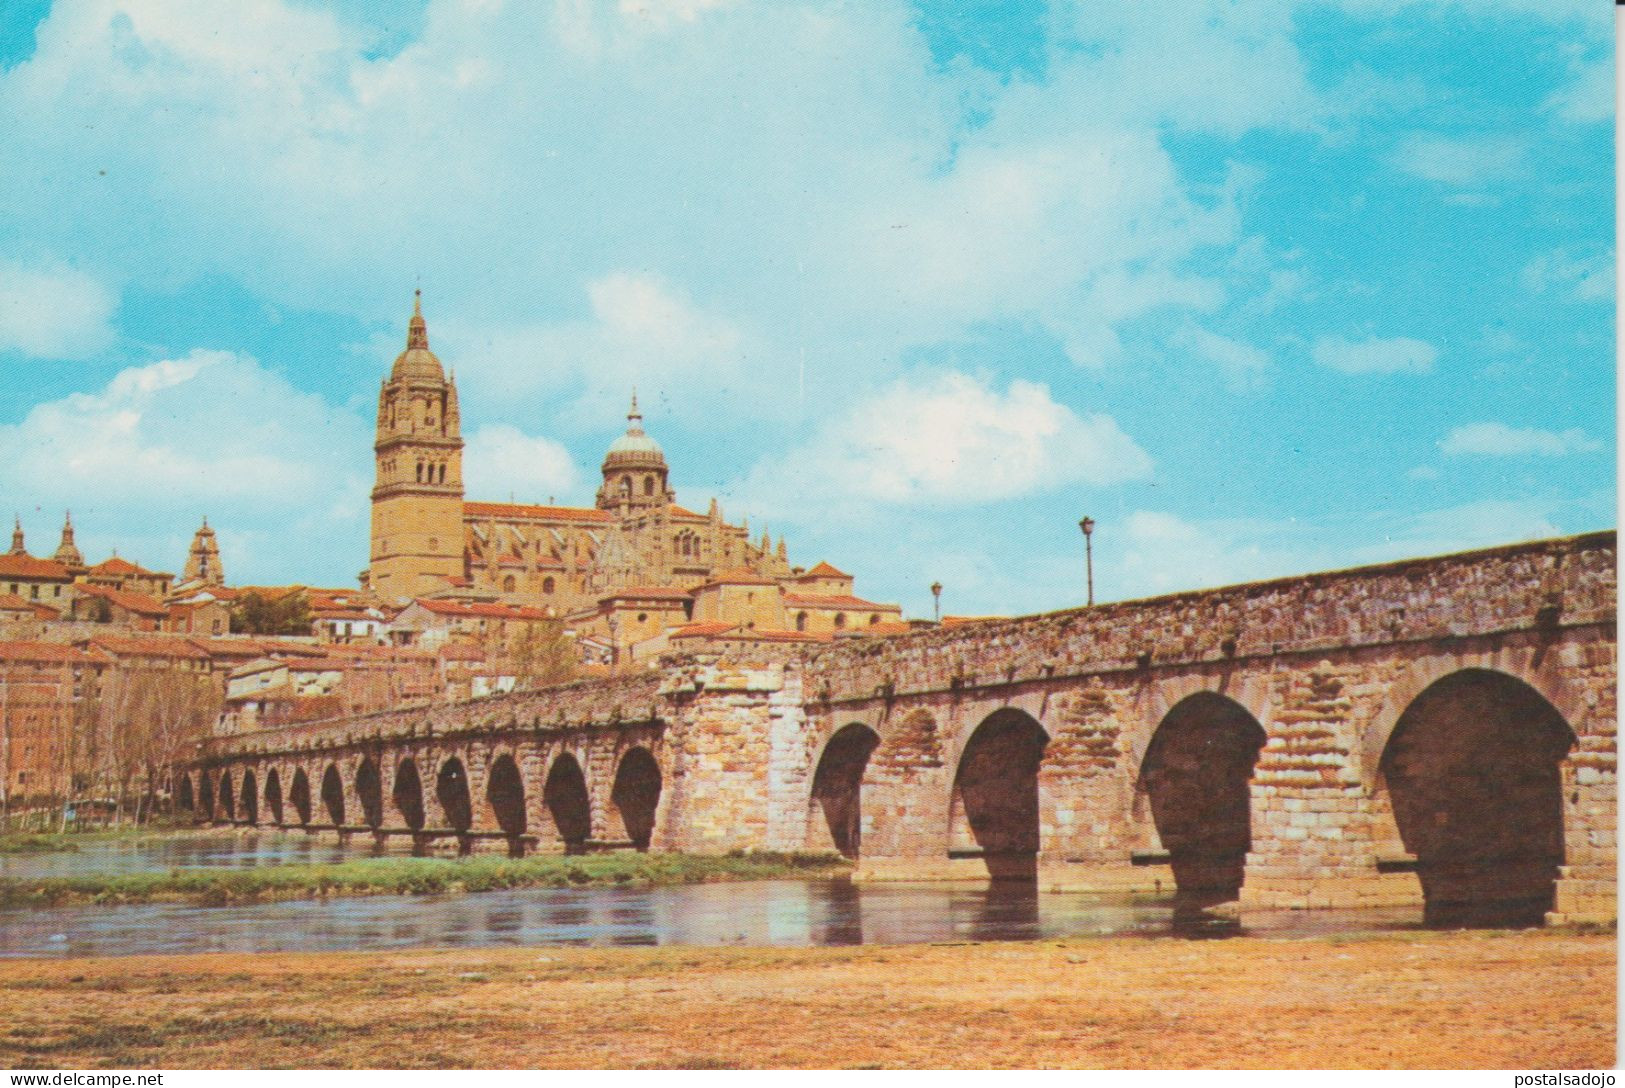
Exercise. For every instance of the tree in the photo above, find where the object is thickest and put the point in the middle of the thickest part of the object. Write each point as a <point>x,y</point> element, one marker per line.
<point>149,720</point>
<point>262,614</point>
<point>541,655</point>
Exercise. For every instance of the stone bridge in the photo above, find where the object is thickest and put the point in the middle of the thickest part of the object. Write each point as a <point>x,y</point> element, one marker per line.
<point>1436,730</point>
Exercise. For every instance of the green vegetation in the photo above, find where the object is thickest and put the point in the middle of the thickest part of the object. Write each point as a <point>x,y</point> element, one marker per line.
<point>411,876</point>
<point>265,614</point>
<point>67,842</point>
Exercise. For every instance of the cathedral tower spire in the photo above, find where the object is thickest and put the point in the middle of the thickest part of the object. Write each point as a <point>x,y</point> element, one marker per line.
<point>417,497</point>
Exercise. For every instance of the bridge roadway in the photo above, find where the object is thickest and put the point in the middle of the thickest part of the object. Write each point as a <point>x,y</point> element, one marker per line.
<point>1436,729</point>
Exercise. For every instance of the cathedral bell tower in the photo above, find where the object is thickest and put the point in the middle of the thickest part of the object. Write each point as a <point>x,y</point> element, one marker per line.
<point>417,499</point>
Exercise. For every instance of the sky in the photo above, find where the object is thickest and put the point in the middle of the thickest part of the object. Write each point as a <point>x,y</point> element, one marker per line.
<point>1262,286</point>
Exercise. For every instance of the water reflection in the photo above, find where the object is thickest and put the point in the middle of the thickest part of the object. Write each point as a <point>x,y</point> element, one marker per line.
<point>757,913</point>
<point>814,912</point>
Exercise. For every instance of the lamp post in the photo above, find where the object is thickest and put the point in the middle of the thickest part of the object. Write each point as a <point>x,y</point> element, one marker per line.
<point>936,600</point>
<point>1088,527</point>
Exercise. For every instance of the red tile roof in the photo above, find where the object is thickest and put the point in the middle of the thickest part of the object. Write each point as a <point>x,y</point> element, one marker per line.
<point>824,570</point>
<point>11,602</point>
<point>682,512</point>
<point>858,604</point>
<point>26,566</point>
<point>49,651</point>
<point>702,630</point>
<point>152,646</point>
<point>481,609</point>
<point>139,603</point>
<point>527,512</point>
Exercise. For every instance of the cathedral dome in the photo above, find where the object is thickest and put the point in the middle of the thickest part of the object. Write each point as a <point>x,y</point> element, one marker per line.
<point>635,448</point>
<point>417,362</point>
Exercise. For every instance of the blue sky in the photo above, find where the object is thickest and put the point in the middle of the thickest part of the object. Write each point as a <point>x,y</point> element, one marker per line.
<point>1263,286</point>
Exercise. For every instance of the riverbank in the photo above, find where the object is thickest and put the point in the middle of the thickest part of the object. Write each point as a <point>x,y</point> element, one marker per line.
<point>1541,999</point>
<point>408,876</point>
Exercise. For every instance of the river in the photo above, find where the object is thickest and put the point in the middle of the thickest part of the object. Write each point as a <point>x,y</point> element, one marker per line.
<point>776,912</point>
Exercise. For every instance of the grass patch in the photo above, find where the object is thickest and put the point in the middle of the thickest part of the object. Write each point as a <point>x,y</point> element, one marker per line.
<point>67,842</point>
<point>410,876</point>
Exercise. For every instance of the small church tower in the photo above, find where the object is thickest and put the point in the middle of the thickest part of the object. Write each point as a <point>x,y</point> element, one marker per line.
<point>203,560</point>
<point>417,499</point>
<point>67,552</point>
<point>17,545</point>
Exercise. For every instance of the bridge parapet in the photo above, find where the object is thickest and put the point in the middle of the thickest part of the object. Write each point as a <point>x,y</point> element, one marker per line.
<point>608,701</point>
<point>1547,584</point>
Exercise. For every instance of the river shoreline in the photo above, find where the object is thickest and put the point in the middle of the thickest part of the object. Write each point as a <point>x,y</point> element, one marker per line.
<point>396,875</point>
<point>1534,999</point>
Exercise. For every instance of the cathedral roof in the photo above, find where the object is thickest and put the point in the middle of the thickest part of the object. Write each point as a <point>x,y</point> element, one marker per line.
<point>501,510</point>
<point>417,362</point>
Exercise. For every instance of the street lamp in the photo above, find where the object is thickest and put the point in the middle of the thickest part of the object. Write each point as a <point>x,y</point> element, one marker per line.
<point>1088,527</point>
<point>936,600</point>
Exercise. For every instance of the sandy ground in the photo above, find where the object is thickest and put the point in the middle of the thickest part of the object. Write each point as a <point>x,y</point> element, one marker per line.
<point>1533,1000</point>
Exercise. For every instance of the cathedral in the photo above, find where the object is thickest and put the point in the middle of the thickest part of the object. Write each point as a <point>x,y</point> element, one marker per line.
<point>634,545</point>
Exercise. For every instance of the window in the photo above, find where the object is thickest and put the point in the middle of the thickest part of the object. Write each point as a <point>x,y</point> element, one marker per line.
<point>420,472</point>
<point>648,485</point>
<point>873,620</point>
<point>643,617</point>
<point>508,584</point>
<point>547,585</point>
<point>840,620</point>
<point>801,621</point>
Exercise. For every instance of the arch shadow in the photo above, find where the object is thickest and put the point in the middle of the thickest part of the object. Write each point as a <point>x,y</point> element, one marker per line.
<point>837,785</point>
<point>995,792</point>
<point>565,796</point>
<point>636,795</point>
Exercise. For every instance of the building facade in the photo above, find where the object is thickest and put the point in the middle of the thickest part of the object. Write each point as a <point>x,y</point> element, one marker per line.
<point>635,560</point>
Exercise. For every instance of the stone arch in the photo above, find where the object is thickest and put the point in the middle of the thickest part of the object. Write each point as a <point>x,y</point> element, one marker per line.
<point>299,795</point>
<point>369,789</point>
<point>205,795</point>
<point>273,795</point>
<point>1474,771</point>
<point>837,785</point>
<point>184,800</point>
<point>505,793</point>
<point>994,804</point>
<point>333,795</point>
<point>1196,777</point>
<point>225,798</point>
<point>566,798</point>
<point>636,795</point>
<point>250,796</point>
<point>1518,662</point>
<point>408,793</point>
<point>451,790</point>
<point>1153,703</point>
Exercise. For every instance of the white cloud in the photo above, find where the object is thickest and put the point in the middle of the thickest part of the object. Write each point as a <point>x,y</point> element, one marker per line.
<point>1588,278</point>
<point>642,333</point>
<point>947,439</point>
<point>1400,355</point>
<point>52,311</point>
<point>209,433</point>
<point>499,461</point>
<point>1239,362</point>
<point>1464,162</point>
<point>1589,97</point>
<point>1499,440</point>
